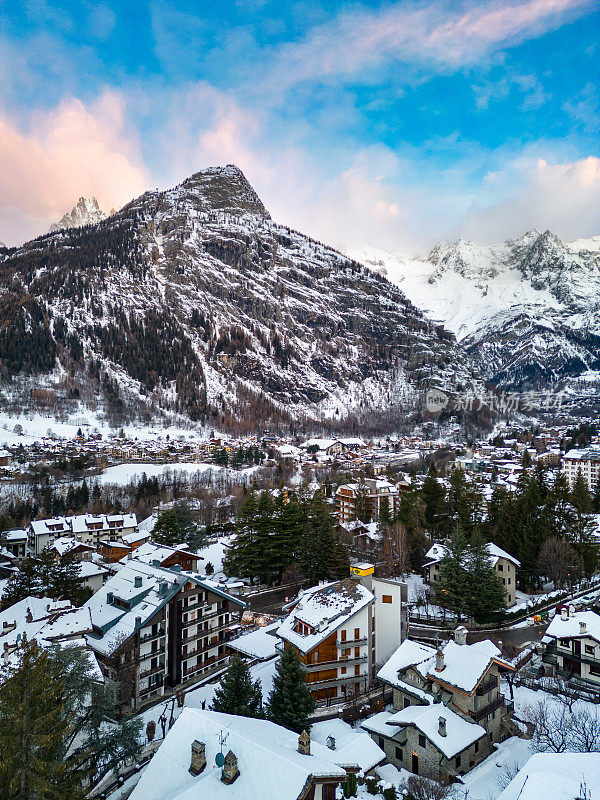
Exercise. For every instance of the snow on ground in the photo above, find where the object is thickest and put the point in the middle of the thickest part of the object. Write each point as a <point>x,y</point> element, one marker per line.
<point>487,780</point>
<point>123,474</point>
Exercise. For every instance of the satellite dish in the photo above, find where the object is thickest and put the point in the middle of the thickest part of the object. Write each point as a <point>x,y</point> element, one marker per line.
<point>219,759</point>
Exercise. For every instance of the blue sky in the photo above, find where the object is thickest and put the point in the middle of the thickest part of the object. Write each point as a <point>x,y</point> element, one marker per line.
<point>391,124</point>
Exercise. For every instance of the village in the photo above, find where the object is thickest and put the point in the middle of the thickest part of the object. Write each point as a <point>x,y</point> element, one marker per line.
<point>421,644</point>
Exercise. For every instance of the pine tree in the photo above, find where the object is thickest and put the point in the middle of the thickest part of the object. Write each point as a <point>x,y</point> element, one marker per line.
<point>385,514</point>
<point>237,694</point>
<point>176,525</point>
<point>596,499</point>
<point>435,506</point>
<point>319,542</point>
<point>580,496</point>
<point>485,591</point>
<point>453,586</point>
<point>290,702</point>
<point>34,731</point>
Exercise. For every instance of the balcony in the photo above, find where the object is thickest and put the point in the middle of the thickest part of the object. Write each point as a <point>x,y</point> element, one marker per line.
<point>147,637</point>
<point>486,687</point>
<point>351,643</point>
<point>340,662</point>
<point>160,667</point>
<point>498,702</point>
<point>188,672</point>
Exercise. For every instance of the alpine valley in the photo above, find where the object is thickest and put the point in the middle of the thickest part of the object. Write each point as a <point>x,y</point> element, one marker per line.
<point>194,302</point>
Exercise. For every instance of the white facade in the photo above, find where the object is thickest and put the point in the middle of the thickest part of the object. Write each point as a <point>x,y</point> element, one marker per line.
<point>587,461</point>
<point>390,616</point>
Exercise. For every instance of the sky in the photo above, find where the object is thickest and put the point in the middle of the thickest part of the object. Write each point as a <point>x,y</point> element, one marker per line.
<point>386,124</point>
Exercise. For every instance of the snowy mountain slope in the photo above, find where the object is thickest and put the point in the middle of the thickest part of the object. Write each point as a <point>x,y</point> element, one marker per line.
<point>194,300</point>
<point>527,310</point>
<point>86,212</point>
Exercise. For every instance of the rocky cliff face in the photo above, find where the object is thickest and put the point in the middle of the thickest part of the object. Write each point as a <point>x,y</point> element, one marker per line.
<point>193,300</point>
<point>86,212</point>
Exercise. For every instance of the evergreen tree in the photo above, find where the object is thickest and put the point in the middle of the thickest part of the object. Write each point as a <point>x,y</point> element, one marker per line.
<point>361,510</point>
<point>176,525</point>
<point>580,496</point>
<point>318,542</point>
<point>385,514</point>
<point>596,499</point>
<point>290,702</point>
<point>245,556</point>
<point>435,507</point>
<point>237,694</point>
<point>485,591</point>
<point>34,732</point>
<point>453,586</point>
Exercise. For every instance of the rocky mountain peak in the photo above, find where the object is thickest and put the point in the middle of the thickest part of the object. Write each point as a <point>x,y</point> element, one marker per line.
<point>85,212</point>
<point>222,189</point>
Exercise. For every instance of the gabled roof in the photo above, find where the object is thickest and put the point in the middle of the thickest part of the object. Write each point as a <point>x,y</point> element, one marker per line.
<point>570,628</point>
<point>555,776</point>
<point>460,734</point>
<point>267,754</point>
<point>437,552</point>
<point>407,655</point>
<point>325,609</point>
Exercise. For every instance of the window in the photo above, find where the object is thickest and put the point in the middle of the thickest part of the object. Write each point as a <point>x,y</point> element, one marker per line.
<point>357,670</point>
<point>564,642</point>
<point>399,754</point>
<point>343,670</point>
<point>343,636</point>
<point>500,568</point>
<point>476,748</point>
<point>357,652</point>
<point>422,740</point>
<point>407,702</point>
<point>357,633</point>
<point>386,598</point>
<point>380,742</point>
<point>589,648</point>
<point>457,761</point>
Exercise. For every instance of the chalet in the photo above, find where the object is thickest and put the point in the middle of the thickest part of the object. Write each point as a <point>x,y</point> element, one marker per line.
<point>254,758</point>
<point>448,711</point>
<point>160,555</point>
<point>574,644</point>
<point>87,528</point>
<point>504,564</point>
<point>68,545</point>
<point>15,542</point>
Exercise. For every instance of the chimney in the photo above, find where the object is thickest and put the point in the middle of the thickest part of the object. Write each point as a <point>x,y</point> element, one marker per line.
<point>582,627</point>
<point>138,581</point>
<point>230,768</point>
<point>28,616</point>
<point>198,757</point>
<point>304,743</point>
<point>442,726</point>
<point>564,614</point>
<point>460,635</point>
<point>439,660</point>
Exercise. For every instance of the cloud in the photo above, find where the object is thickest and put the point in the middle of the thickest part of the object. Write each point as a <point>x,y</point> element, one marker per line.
<point>438,34</point>
<point>65,153</point>
<point>562,197</point>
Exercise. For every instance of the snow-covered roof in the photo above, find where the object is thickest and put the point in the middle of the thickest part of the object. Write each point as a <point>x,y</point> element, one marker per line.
<point>437,552</point>
<point>67,543</point>
<point>324,609</point>
<point>260,643</point>
<point>555,776</point>
<point>149,552</point>
<point>571,627</point>
<point>460,734</point>
<point>349,746</point>
<point>407,655</point>
<point>83,523</point>
<point>18,535</point>
<point>587,454</point>
<point>267,754</point>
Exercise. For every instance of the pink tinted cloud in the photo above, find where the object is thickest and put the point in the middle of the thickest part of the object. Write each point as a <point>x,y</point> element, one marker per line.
<point>442,34</point>
<point>71,151</point>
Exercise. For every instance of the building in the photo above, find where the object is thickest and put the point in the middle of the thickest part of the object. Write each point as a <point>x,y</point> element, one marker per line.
<point>574,644</point>
<point>68,545</point>
<point>254,758</point>
<point>87,528</point>
<point>556,776</point>
<point>375,492</point>
<point>448,709</point>
<point>585,461</point>
<point>155,630</point>
<point>161,555</point>
<point>15,542</point>
<point>504,564</point>
<point>331,629</point>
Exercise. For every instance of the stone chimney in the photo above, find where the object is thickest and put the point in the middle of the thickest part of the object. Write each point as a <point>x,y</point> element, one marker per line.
<point>304,743</point>
<point>230,768</point>
<point>460,635</point>
<point>28,616</point>
<point>442,726</point>
<point>582,627</point>
<point>439,660</point>
<point>198,757</point>
<point>564,614</point>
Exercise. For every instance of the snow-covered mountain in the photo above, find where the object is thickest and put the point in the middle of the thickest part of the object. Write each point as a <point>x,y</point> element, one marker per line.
<point>195,301</point>
<point>86,212</point>
<point>527,310</point>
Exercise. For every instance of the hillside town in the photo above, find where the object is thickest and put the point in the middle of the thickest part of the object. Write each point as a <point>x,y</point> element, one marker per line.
<point>371,616</point>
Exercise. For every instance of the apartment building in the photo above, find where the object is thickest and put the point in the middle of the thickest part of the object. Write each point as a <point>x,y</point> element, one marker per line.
<point>340,630</point>
<point>574,644</point>
<point>448,711</point>
<point>157,629</point>
<point>585,461</point>
<point>87,528</point>
<point>375,491</point>
<point>504,564</point>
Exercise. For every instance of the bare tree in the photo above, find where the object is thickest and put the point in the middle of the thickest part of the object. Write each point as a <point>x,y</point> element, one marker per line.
<point>559,562</point>
<point>564,726</point>
<point>421,788</point>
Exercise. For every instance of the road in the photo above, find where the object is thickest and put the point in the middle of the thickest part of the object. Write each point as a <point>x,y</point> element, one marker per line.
<point>271,601</point>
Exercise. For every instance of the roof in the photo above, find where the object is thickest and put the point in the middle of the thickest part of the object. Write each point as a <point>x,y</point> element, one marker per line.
<point>259,644</point>
<point>267,754</point>
<point>407,655</point>
<point>460,734</point>
<point>325,609</point>
<point>437,551</point>
<point>67,543</point>
<point>349,745</point>
<point>149,552</point>
<point>570,627</point>
<point>555,776</point>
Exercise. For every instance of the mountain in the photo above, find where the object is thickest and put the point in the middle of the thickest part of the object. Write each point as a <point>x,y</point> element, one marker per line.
<point>527,310</point>
<point>86,212</point>
<point>194,301</point>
